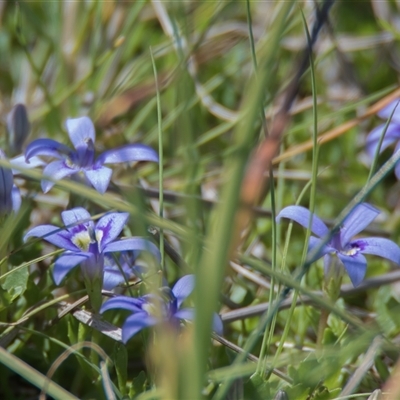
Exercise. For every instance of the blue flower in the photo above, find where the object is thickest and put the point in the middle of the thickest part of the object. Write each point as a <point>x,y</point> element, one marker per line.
<point>10,197</point>
<point>82,159</point>
<point>392,134</point>
<point>153,309</point>
<point>350,252</point>
<point>87,244</point>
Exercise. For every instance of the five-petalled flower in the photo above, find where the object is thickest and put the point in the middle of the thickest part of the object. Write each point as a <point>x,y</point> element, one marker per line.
<point>350,252</point>
<point>392,134</point>
<point>87,244</point>
<point>70,162</point>
<point>161,307</point>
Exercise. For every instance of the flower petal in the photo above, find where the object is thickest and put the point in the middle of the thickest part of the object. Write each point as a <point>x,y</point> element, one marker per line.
<point>56,170</point>
<point>46,147</point>
<point>183,288</point>
<point>387,111</point>
<point>124,302</point>
<point>113,276</point>
<point>315,243</point>
<point>109,227</point>
<point>54,235</point>
<point>381,247</point>
<point>19,162</point>
<point>359,218</point>
<point>77,215</point>
<point>80,131</point>
<point>133,243</point>
<point>185,313</point>
<point>302,216</point>
<point>131,152</point>
<point>356,267</point>
<point>217,324</point>
<point>391,136</point>
<point>99,178</point>
<point>136,323</point>
<point>64,264</point>
<point>16,199</point>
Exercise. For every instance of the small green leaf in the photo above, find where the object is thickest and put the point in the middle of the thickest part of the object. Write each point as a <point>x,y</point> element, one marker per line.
<point>121,366</point>
<point>138,385</point>
<point>15,283</point>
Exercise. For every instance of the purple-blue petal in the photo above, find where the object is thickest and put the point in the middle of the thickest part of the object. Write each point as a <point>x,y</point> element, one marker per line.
<point>381,247</point>
<point>109,227</point>
<point>136,323</point>
<point>64,264</point>
<point>16,198</point>
<point>77,215</point>
<point>46,147</point>
<point>185,313</point>
<point>54,235</point>
<point>20,162</point>
<point>6,187</point>
<point>131,152</point>
<point>183,288</point>
<point>386,112</point>
<point>217,324</point>
<point>133,243</point>
<point>356,267</point>
<point>303,216</point>
<point>56,170</point>
<point>361,216</point>
<point>113,276</point>
<point>99,178</point>
<point>373,138</point>
<point>80,131</point>
<point>315,243</point>
<point>397,167</point>
<point>124,302</point>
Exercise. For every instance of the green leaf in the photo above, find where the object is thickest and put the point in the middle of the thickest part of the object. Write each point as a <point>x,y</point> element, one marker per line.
<point>138,385</point>
<point>16,283</point>
<point>121,366</point>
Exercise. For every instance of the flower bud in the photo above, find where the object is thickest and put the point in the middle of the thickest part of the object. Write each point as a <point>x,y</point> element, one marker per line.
<point>10,198</point>
<point>18,127</point>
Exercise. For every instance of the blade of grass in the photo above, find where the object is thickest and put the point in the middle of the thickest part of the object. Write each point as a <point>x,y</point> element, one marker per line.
<point>33,376</point>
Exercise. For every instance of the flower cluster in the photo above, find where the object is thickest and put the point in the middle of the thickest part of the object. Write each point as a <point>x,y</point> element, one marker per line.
<point>350,252</point>
<point>105,260</point>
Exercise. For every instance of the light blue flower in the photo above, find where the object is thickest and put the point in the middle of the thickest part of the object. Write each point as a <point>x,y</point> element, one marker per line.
<point>82,159</point>
<point>87,244</point>
<point>350,252</point>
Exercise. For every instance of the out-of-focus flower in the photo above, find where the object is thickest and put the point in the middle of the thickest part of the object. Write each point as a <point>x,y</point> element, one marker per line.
<point>10,197</point>
<point>392,134</point>
<point>161,307</point>
<point>82,159</point>
<point>350,252</point>
<point>87,243</point>
<point>18,128</point>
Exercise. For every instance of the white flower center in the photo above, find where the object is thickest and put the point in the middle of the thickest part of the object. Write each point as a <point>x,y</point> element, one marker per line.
<point>82,240</point>
<point>150,308</point>
<point>351,252</point>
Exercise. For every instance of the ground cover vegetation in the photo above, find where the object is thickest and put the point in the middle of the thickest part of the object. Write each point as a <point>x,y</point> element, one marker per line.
<point>199,200</point>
